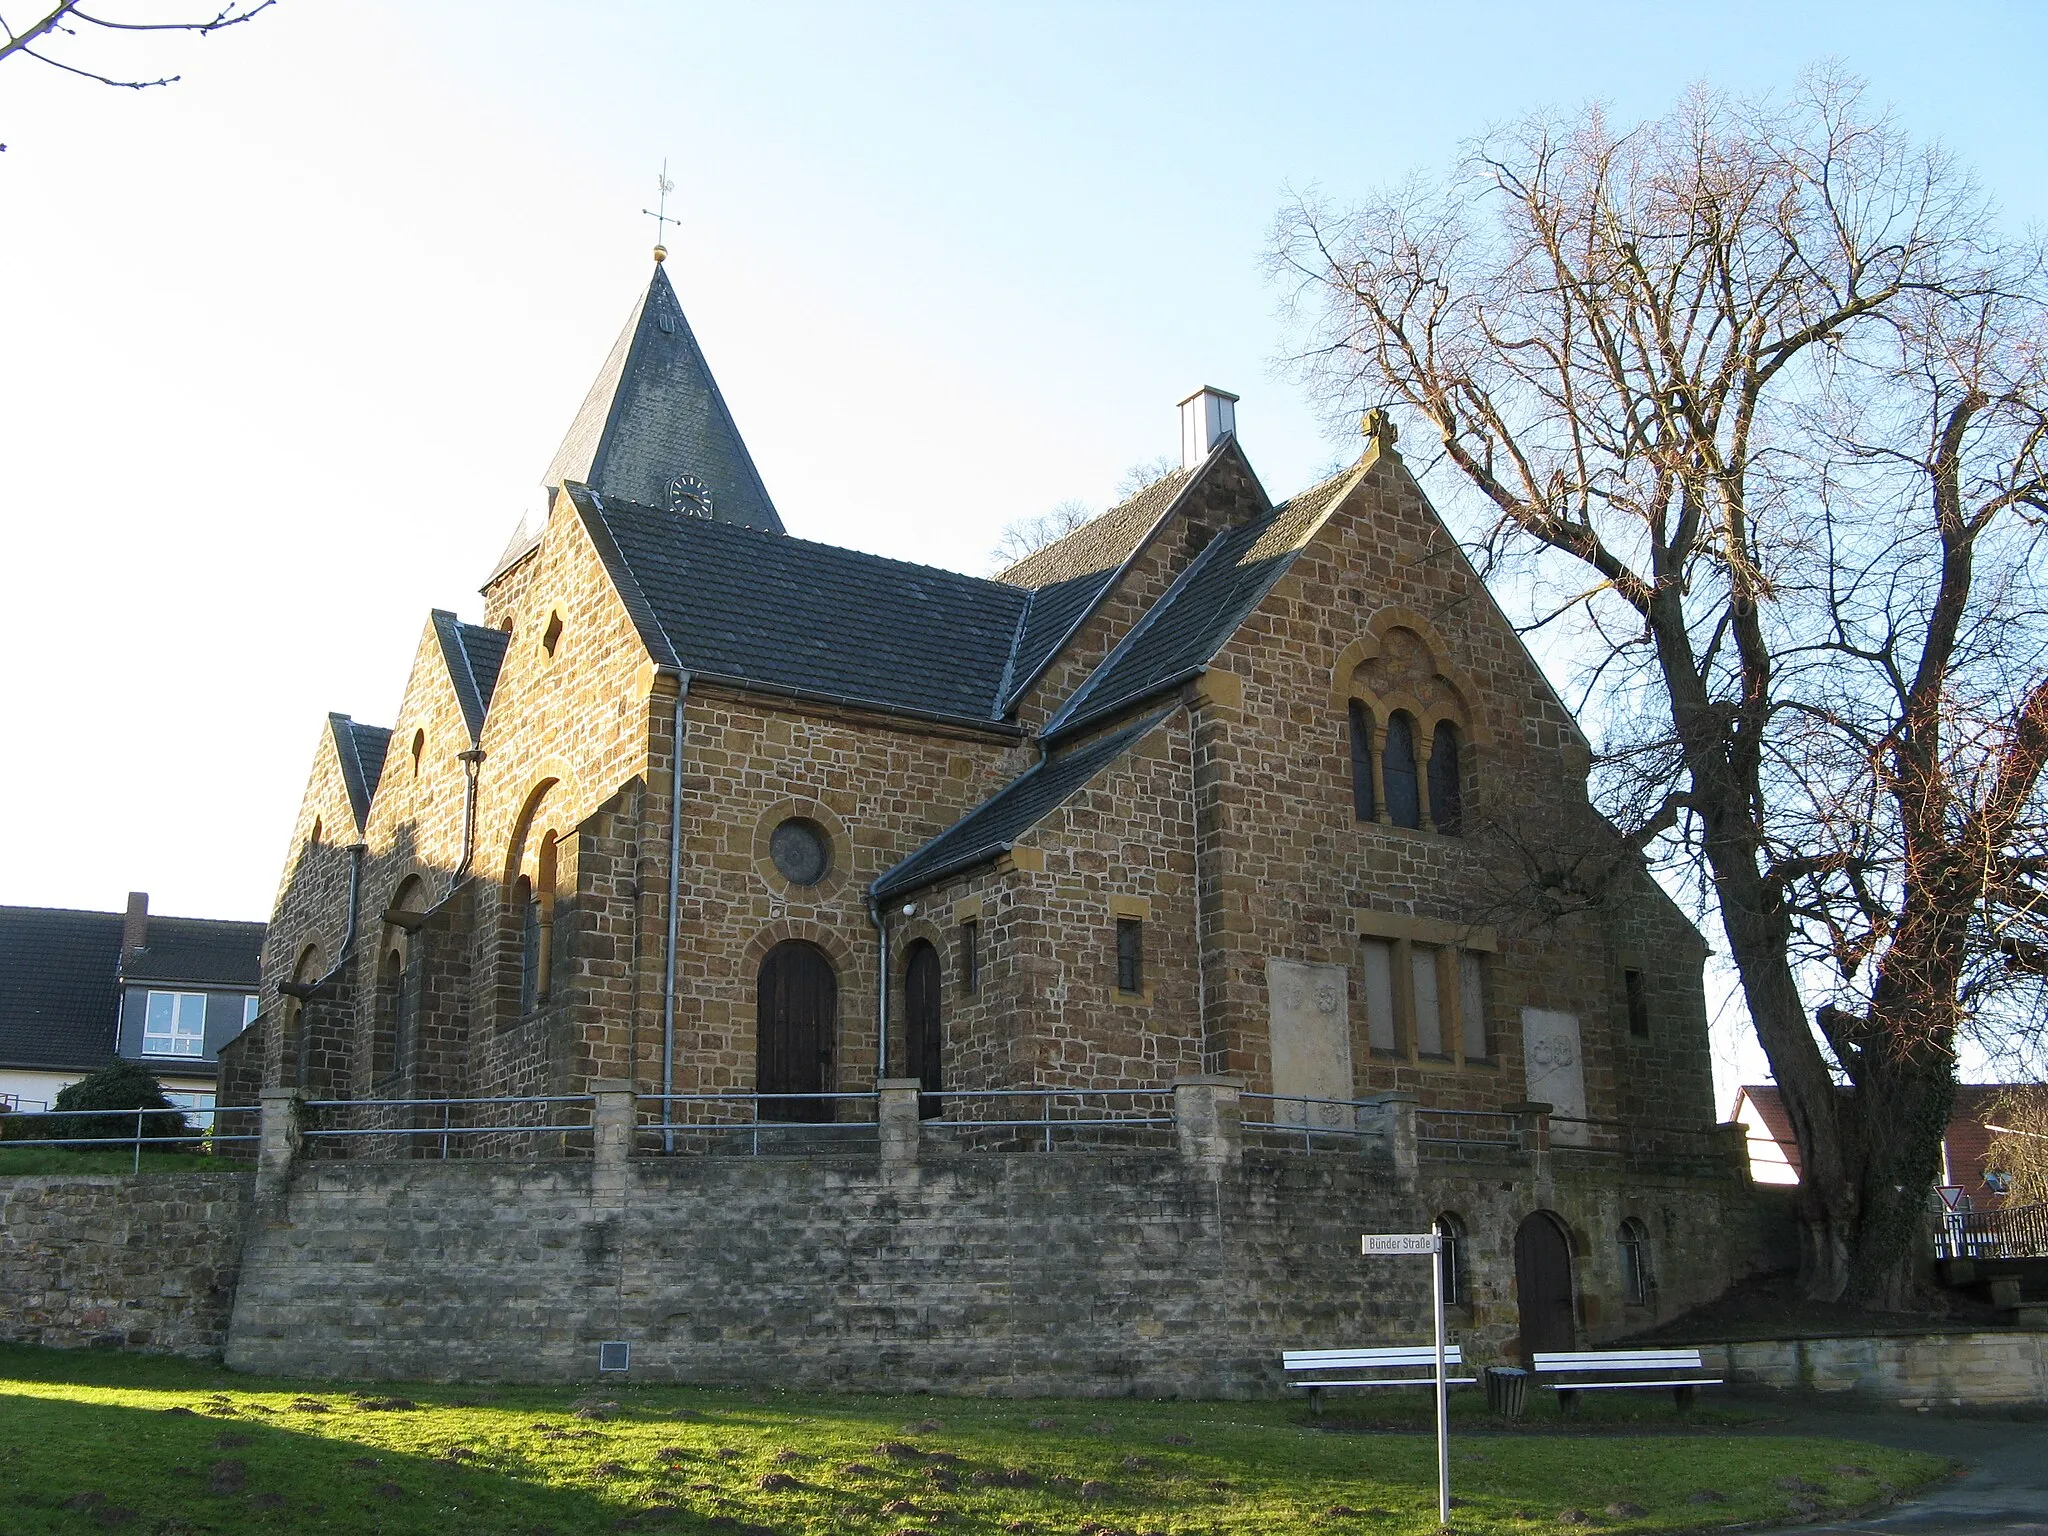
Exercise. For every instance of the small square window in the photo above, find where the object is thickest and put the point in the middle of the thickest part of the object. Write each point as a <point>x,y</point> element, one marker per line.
<point>970,956</point>
<point>249,1010</point>
<point>615,1355</point>
<point>1130,954</point>
<point>174,1024</point>
<point>1638,1004</point>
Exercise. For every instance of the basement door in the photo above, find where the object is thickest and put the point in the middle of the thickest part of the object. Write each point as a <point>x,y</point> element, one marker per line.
<point>796,1017</point>
<point>921,1014</point>
<point>1543,1286</point>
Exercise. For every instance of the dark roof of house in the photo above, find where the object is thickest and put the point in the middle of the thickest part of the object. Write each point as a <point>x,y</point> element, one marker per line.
<point>361,749</point>
<point>59,994</point>
<point>201,951</point>
<point>734,604</point>
<point>474,654</point>
<point>655,413</point>
<point>1200,611</point>
<point>993,826</point>
<point>1101,544</point>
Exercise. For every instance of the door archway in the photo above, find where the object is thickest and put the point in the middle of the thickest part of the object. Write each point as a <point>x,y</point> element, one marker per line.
<point>1543,1285</point>
<point>925,1043</point>
<point>796,1020</point>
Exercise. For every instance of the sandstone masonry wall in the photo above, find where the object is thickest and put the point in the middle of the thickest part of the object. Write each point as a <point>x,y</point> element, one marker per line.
<point>144,1263</point>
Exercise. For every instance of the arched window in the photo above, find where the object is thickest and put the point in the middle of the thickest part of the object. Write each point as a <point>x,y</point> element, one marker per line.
<point>1457,1277</point>
<point>1637,1283</point>
<point>1363,806</point>
<point>527,909</point>
<point>419,747</point>
<point>1446,780</point>
<point>1397,772</point>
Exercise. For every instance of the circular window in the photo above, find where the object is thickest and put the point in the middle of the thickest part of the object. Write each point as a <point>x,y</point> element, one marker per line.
<point>800,851</point>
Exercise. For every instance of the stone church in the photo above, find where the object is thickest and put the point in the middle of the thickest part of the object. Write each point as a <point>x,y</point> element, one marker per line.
<point>1216,786</point>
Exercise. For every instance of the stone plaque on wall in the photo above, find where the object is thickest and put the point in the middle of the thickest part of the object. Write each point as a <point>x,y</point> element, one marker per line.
<point>1309,1010</point>
<point>1557,1074</point>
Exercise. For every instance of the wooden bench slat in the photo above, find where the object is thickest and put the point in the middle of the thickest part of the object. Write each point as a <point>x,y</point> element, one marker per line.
<point>1597,1386</point>
<point>1384,1381</point>
<point>1619,1360</point>
<point>1312,1359</point>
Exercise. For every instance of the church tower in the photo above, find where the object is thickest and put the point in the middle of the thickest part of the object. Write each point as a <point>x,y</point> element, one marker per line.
<point>655,429</point>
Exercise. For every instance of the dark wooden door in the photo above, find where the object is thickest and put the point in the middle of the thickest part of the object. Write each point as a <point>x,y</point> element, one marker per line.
<point>797,1018</point>
<point>1543,1286</point>
<point>921,1012</point>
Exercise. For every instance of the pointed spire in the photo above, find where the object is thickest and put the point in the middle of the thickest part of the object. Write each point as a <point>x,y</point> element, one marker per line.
<point>655,429</point>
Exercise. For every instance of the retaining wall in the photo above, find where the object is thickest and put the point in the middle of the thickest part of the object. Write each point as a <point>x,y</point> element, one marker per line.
<point>144,1262</point>
<point>1080,1273</point>
<point>1914,1371</point>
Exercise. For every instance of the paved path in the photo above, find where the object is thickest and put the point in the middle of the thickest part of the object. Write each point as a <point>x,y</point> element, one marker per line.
<point>2003,1492</point>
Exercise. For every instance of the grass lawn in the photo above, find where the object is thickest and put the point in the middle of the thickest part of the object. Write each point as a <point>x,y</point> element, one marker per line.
<point>89,1160</point>
<point>93,1442</point>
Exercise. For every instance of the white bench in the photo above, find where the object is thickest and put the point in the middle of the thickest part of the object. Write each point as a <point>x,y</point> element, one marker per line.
<point>1300,1362</point>
<point>1628,1367</point>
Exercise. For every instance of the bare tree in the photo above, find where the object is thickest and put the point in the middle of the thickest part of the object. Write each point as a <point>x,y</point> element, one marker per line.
<point>1145,474</point>
<point>64,24</point>
<point>2019,1142</point>
<point>1028,535</point>
<point>1757,396</point>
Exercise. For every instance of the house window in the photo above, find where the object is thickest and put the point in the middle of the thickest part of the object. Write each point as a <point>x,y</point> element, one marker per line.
<point>1446,780</point>
<point>1363,807</point>
<point>1638,1004</point>
<point>249,1010</point>
<point>1456,1283</point>
<point>1130,954</point>
<point>1636,1283</point>
<point>174,1024</point>
<point>1472,1006</point>
<point>1397,772</point>
<point>1381,1029</point>
<point>1411,1001</point>
<point>970,956</point>
<point>1429,1008</point>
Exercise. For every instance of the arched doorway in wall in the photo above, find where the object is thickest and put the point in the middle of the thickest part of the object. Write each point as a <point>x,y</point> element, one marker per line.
<point>924,1044</point>
<point>1543,1285</point>
<point>796,1020</point>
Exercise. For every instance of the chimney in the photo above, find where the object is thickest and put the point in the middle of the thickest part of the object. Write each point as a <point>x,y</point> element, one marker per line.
<point>1206,417</point>
<point>135,923</point>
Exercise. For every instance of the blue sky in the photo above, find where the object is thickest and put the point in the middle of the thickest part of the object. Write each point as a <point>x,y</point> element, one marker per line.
<point>288,344</point>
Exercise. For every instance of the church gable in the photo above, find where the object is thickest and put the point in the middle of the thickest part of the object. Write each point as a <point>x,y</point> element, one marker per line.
<point>416,820</point>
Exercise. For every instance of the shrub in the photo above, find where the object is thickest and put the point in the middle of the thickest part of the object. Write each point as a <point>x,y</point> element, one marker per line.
<point>119,1085</point>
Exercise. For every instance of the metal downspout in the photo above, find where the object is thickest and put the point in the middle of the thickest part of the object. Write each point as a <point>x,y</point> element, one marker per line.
<point>675,881</point>
<point>472,761</point>
<point>881,991</point>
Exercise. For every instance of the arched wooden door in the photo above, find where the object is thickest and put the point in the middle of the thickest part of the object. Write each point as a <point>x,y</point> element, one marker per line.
<point>1543,1285</point>
<point>921,1014</point>
<point>796,1018</point>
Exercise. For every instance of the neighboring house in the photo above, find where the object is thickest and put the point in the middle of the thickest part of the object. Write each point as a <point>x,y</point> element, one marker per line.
<point>1965,1149</point>
<point>78,989</point>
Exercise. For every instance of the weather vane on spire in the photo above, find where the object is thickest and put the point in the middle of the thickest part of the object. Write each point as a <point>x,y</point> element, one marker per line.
<point>659,213</point>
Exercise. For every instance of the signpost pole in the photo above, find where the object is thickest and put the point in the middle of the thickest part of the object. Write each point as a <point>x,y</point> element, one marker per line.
<point>1443,1391</point>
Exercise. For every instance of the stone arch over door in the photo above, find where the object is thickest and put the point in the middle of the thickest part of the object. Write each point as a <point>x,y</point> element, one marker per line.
<point>924,1051</point>
<point>796,1023</point>
<point>1543,1285</point>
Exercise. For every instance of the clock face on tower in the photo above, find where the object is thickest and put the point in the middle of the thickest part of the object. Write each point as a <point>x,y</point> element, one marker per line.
<point>688,494</point>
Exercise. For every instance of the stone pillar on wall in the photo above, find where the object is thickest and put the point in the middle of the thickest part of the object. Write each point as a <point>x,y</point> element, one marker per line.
<point>1532,1139</point>
<point>613,1119</point>
<point>901,1129</point>
<point>1397,1131</point>
<point>1735,1146</point>
<point>278,1142</point>
<point>1208,1120</point>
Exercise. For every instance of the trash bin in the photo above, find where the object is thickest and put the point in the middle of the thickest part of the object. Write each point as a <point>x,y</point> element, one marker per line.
<point>1507,1390</point>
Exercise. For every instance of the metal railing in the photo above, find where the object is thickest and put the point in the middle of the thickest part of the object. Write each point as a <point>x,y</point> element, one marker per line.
<point>993,1119</point>
<point>446,1121</point>
<point>2016,1232</point>
<point>1453,1132</point>
<point>755,1123</point>
<point>150,1130</point>
<point>1294,1116</point>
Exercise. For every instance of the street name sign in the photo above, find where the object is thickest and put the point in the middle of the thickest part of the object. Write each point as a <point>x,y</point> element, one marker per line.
<point>1379,1243</point>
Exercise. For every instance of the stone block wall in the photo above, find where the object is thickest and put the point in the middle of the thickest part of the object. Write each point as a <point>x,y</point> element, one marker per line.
<point>1935,1370</point>
<point>144,1263</point>
<point>1125,1273</point>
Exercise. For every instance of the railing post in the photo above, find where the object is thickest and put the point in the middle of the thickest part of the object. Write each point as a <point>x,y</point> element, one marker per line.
<point>612,1122</point>
<point>897,1120</point>
<point>1735,1146</point>
<point>1208,1120</point>
<point>279,1140</point>
<point>1397,1128</point>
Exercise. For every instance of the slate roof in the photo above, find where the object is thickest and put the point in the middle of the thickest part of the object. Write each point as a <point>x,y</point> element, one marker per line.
<point>361,749</point>
<point>1200,611</point>
<point>734,604</point>
<point>199,951</point>
<point>1103,543</point>
<point>655,412</point>
<point>474,653</point>
<point>59,997</point>
<point>993,826</point>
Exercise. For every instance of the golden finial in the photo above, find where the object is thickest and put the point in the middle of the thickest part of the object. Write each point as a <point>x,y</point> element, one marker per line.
<point>659,213</point>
